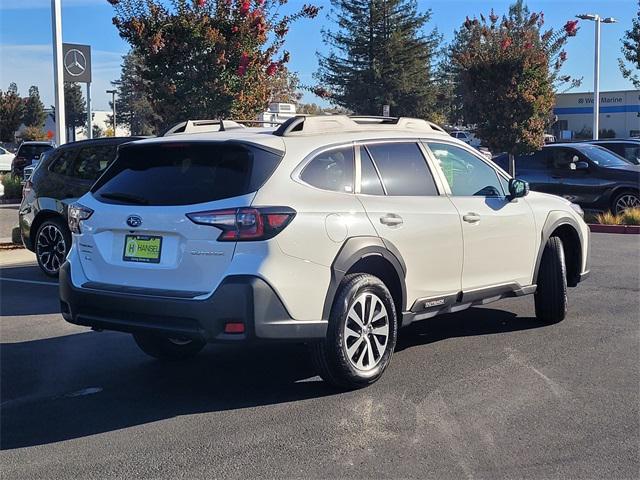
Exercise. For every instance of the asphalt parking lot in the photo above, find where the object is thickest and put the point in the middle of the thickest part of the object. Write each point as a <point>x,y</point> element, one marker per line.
<point>486,393</point>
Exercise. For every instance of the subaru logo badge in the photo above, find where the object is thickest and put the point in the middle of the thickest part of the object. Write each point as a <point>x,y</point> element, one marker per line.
<point>134,221</point>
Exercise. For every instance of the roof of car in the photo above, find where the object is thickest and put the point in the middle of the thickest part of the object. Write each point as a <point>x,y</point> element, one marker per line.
<point>314,132</point>
<point>614,140</point>
<point>571,145</point>
<point>36,142</point>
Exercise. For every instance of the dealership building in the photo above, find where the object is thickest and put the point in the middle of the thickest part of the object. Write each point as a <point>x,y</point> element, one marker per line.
<point>619,111</point>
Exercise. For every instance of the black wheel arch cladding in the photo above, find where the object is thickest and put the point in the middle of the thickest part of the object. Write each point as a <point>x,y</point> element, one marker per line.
<point>363,249</point>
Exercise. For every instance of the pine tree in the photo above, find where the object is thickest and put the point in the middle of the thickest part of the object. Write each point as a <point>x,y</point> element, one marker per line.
<point>11,112</point>
<point>74,105</point>
<point>34,114</point>
<point>75,109</point>
<point>133,107</point>
<point>380,56</point>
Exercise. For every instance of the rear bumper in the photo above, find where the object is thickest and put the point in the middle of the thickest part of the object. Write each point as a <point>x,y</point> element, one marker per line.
<point>239,298</point>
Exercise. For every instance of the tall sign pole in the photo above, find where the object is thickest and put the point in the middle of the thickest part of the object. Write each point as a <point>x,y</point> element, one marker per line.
<point>58,87</point>
<point>89,119</point>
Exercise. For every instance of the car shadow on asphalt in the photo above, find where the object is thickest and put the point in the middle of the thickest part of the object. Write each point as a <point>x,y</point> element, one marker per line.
<point>89,383</point>
<point>474,321</point>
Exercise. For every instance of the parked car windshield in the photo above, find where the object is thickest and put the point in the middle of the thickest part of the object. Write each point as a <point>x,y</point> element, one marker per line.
<point>603,157</point>
<point>184,173</point>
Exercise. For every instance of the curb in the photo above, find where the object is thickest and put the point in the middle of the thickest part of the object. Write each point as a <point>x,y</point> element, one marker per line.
<point>10,201</point>
<point>598,228</point>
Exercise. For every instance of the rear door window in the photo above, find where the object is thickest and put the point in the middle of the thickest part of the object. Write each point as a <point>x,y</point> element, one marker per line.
<point>331,170</point>
<point>64,163</point>
<point>184,173</point>
<point>92,160</point>
<point>403,169</point>
<point>533,161</point>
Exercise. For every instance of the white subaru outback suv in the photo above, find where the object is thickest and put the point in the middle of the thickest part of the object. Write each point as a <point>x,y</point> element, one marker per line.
<point>333,231</point>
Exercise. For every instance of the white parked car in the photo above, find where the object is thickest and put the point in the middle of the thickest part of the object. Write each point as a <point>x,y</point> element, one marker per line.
<point>467,137</point>
<point>329,230</point>
<point>6,158</point>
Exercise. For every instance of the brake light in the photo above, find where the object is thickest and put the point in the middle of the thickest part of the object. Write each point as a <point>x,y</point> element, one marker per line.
<point>76,214</point>
<point>245,224</point>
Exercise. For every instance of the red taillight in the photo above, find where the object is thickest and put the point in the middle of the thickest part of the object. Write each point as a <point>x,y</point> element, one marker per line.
<point>245,224</point>
<point>234,327</point>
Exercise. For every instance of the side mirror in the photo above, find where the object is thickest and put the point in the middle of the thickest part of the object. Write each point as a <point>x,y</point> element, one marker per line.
<point>518,188</point>
<point>581,166</point>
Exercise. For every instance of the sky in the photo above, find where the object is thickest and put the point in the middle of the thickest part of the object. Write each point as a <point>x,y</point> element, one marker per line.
<point>26,50</point>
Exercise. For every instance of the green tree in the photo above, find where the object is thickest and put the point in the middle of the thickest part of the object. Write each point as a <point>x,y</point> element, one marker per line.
<point>74,109</point>
<point>97,131</point>
<point>507,71</point>
<point>631,51</point>
<point>315,109</point>
<point>207,58</point>
<point>380,55</point>
<point>33,133</point>
<point>75,106</point>
<point>133,107</point>
<point>285,87</point>
<point>11,112</point>
<point>34,114</point>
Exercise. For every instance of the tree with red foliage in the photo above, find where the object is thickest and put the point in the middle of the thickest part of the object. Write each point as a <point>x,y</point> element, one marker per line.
<point>206,58</point>
<point>508,72</point>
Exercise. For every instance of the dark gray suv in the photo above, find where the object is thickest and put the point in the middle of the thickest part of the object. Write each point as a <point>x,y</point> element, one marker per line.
<point>62,176</point>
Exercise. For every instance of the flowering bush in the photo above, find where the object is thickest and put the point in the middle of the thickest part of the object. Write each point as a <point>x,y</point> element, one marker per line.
<point>207,58</point>
<point>508,70</point>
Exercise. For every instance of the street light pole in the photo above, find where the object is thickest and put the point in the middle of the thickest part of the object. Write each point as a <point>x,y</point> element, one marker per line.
<point>113,109</point>
<point>596,68</point>
<point>596,82</point>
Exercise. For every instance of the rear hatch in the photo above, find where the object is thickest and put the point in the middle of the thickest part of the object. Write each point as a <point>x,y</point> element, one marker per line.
<point>139,235</point>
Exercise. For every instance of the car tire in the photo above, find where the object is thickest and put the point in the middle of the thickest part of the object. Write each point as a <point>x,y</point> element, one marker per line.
<point>625,200</point>
<point>363,316</point>
<point>51,245</point>
<point>551,293</point>
<point>165,348</point>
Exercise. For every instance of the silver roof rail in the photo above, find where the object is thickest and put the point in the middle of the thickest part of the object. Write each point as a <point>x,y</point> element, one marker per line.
<point>313,125</point>
<point>202,126</point>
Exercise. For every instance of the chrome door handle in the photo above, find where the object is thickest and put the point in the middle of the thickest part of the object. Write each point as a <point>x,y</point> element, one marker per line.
<point>391,220</point>
<point>471,217</point>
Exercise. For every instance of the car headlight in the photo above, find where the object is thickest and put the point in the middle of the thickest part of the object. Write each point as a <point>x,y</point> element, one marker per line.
<point>578,209</point>
<point>76,214</point>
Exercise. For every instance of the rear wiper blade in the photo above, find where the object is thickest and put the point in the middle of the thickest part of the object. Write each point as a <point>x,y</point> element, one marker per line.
<point>125,197</point>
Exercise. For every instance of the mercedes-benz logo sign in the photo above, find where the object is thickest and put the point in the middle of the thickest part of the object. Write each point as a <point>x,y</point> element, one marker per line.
<point>75,62</point>
<point>134,221</point>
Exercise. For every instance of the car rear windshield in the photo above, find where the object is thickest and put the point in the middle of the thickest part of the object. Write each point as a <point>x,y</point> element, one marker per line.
<point>184,173</point>
<point>32,151</point>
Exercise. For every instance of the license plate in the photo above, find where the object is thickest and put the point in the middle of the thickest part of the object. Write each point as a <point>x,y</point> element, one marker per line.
<point>142,248</point>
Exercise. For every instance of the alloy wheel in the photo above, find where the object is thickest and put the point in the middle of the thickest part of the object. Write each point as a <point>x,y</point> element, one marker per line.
<point>51,248</point>
<point>625,202</point>
<point>366,331</point>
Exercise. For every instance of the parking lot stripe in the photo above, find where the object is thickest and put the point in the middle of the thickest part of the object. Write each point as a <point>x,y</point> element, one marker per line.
<point>20,280</point>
